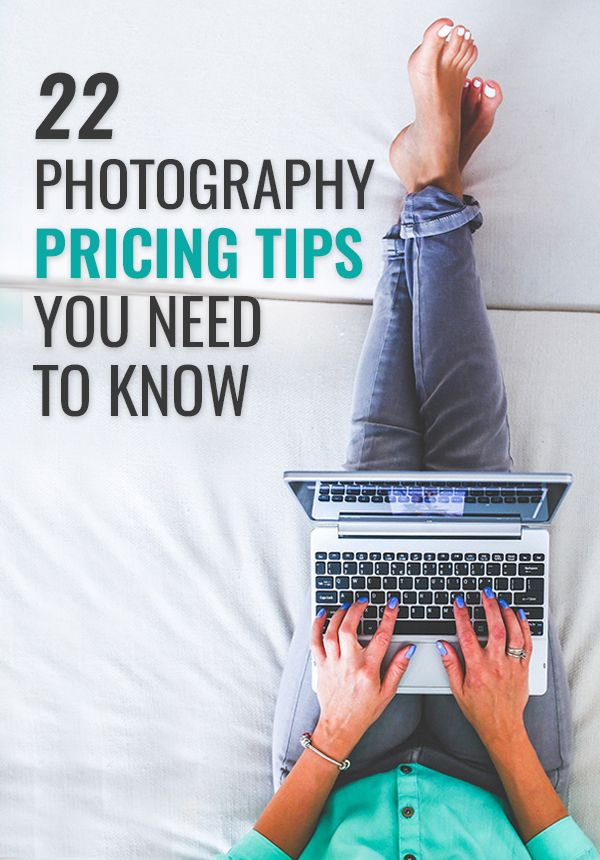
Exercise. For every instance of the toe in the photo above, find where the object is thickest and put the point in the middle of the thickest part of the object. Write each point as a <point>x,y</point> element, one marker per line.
<point>455,45</point>
<point>465,48</point>
<point>469,57</point>
<point>439,30</point>
<point>492,95</point>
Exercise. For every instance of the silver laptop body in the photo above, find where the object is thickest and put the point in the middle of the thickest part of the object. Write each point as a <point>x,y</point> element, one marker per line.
<point>425,537</point>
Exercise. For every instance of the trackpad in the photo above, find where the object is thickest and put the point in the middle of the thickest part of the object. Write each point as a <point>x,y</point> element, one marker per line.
<point>425,673</point>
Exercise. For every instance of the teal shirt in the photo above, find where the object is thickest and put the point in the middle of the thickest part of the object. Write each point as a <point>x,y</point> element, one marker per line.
<point>414,813</point>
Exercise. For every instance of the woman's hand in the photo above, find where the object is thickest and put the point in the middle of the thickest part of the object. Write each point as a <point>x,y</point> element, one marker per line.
<point>350,689</point>
<point>493,688</point>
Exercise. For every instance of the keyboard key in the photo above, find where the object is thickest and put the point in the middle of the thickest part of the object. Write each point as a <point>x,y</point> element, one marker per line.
<point>501,583</point>
<point>377,597</point>
<point>388,556</point>
<point>437,583</point>
<point>511,556</point>
<point>346,597</point>
<point>497,556</point>
<point>447,612</point>
<point>531,569</point>
<point>485,582</point>
<point>369,627</point>
<point>320,568</point>
<point>421,582</point>
<point>416,556</point>
<point>397,568</point>
<point>524,556</point>
<point>409,597</point>
<point>477,568</point>
<point>365,568</point>
<point>374,556</point>
<point>443,556</point>
<point>429,556</point>
<point>327,597</point>
<point>358,582</point>
<point>433,612</point>
<point>506,596</point>
<point>461,568</point>
<point>469,583</point>
<point>536,627</point>
<point>509,569</point>
<point>517,583</point>
<point>371,612</point>
<point>446,568</point>
<point>425,597</point>
<point>534,613</point>
<point>478,613</point>
<point>382,568</point>
<point>361,556</point>
<point>472,598</point>
<point>539,556</point>
<point>320,555</point>
<point>373,582</point>
<point>349,568</point>
<point>334,568</point>
<point>390,582</point>
<point>324,581</point>
<point>323,498</point>
<point>429,568</point>
<point>334,556</point>
<point>402,556</point>
<point>493,568</point>
<point>480,628</point>
<point>484,556</point>
<point>417,612</point>
<point>456,556</point>
<point>441,598</point>
<point>342,582</point>
<point>413,568</point>
<point>405,582</point>
<point>453,583</point>
<point>347,556</point>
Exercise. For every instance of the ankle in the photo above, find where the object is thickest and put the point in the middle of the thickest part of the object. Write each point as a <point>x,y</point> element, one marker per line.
<point>451,183</point>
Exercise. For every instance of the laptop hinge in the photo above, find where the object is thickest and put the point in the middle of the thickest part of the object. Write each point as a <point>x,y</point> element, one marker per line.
<point>418,529</point>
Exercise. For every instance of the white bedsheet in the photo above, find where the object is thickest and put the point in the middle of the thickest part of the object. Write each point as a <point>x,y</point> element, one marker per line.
<point>152,568</point>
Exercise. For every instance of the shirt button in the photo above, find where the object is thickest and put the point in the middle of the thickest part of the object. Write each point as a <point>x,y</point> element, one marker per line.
<point>409,857</point>
<point>408,812</point>
<point>405,768</point>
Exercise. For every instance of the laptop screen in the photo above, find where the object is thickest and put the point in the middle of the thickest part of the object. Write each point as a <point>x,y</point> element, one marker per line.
<point>526,498</point>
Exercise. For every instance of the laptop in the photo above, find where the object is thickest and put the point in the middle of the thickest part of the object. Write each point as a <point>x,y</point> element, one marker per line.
<point>425,537</point>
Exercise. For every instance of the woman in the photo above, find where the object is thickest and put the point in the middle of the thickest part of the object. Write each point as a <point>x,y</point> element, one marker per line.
<point>483,773</point>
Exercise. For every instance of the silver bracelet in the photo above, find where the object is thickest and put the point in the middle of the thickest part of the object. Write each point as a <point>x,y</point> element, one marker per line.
<point>305,739</point>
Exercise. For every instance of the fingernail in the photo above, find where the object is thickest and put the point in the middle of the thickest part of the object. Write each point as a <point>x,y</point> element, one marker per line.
<point>411,651</point>
<point>468,34</point>
<point>444,30</point>
<point>441,648</point>
<point>345,606</point>
<point>459,601</point>
<point>320,613</point>
<point>393,602</point>
<point>460,31</point>
<point>476,82</point>
<point>490,92</point>
<point>522,614</point>
<point>363,600</point>
<point>503,603</point>
<point>488,592</point>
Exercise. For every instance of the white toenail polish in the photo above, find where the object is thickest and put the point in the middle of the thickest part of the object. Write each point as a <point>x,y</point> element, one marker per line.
<point>468,35</point>
<point>489,91</point>
<point>467,84</point>
<point>460,31</point>
<point>476,83</point>
<point>443,31</point>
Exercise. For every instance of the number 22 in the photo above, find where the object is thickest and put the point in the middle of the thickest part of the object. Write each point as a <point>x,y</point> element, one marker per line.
<point>88,131</point>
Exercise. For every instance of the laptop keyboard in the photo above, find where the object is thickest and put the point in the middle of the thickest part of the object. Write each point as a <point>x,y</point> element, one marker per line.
<point>426,585</point>
<point>412,493</point>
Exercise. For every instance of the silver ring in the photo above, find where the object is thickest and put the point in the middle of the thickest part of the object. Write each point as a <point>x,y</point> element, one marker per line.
<point>518,653</point>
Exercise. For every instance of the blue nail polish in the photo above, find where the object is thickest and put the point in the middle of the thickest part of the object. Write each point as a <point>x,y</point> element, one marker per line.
<point>459,601</point>
<point>522,614</point>
<point>488,592</point>
<point>393,602</point>
<point>321,613</point>
<point>441,648</point>
<point>411,651</point>
<point>503,603</point>
<point>363,600</point>
<point>345,606</point>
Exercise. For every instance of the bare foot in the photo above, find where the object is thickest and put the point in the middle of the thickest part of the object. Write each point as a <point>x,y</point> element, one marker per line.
<point>427,151</point>
<point>481,99</point>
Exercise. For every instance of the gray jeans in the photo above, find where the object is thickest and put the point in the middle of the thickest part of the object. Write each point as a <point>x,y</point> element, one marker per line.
<point>429,394</point>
